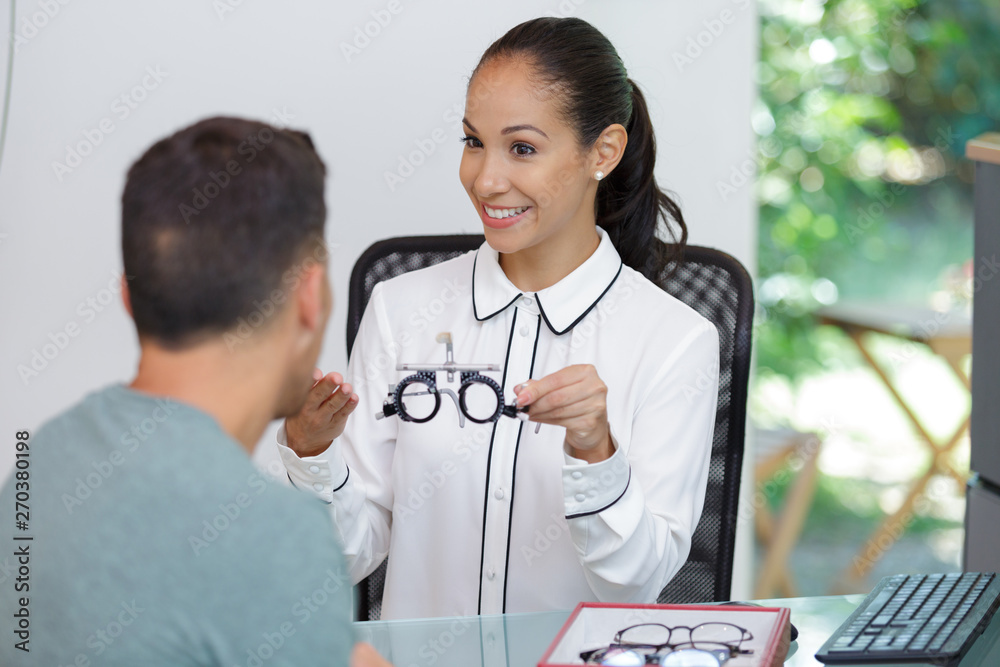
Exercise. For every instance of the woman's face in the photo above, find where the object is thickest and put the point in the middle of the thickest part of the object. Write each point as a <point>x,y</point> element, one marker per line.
<point>522,165</point>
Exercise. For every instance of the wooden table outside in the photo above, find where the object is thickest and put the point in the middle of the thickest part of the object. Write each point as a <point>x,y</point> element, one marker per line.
<point>948,335</point>
<point>791,457</point>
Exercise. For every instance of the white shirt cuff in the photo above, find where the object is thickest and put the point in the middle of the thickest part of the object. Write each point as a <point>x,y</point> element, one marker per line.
<point>323,474</point>
<point>589,488</point>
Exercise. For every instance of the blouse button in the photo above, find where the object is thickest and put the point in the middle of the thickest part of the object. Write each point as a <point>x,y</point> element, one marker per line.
<point>318,486</point>
<point>314,469</point>
<point>491,574</point>
<point>527,301</point>
<point>525,330</point>
<point>577,474</point>
<point>580,497</point>
<point>499,493</point>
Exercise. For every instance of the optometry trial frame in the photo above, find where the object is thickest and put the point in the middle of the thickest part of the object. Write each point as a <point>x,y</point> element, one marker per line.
<point>470,376</point>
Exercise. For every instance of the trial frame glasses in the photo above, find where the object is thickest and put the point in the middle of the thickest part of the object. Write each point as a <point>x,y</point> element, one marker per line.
<point>424,383</point>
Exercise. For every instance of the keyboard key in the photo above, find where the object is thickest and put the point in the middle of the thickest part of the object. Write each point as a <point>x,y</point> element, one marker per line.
<point>880,601</point>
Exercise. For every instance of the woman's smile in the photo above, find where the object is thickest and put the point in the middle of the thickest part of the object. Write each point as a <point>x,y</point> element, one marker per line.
<point>499,217</point>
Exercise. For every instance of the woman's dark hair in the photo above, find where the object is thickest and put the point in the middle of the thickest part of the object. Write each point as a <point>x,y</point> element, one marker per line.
<point>215,218</point>
<point>577,62</point>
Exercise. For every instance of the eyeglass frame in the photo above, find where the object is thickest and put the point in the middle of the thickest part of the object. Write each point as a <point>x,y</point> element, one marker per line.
<point>616,643</point>
<point>470,374</point>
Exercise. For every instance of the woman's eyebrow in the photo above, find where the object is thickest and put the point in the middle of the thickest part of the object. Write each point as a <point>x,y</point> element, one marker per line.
<point>508,130</point>
<point>517,128</point>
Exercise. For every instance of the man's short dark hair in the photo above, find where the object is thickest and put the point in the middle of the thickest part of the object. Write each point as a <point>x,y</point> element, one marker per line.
<point>213,219</point>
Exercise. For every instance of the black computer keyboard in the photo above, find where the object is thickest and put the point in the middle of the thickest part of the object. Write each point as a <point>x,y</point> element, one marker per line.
<point>916,618</point>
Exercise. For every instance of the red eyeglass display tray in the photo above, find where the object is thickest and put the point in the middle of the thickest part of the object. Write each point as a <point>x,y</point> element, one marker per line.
<point>594,624</point>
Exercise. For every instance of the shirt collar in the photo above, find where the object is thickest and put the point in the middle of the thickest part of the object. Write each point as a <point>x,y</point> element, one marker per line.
<point>562,305</point>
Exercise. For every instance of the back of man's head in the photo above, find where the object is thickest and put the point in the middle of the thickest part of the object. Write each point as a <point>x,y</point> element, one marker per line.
<point>213,219</point>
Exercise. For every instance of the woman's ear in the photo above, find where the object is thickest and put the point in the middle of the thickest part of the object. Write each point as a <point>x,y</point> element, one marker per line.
<point>609,148</point>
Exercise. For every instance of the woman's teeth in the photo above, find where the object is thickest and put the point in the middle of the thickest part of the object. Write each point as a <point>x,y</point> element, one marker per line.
<point>500,213</point>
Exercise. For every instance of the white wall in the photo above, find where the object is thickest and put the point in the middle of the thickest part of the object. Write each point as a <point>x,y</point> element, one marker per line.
<point>59,238</point>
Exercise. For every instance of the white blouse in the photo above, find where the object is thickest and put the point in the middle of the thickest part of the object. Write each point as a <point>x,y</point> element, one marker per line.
<point>494,518</point>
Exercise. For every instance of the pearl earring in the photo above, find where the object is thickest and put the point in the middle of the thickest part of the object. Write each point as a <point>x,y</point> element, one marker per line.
<point>598,175</point>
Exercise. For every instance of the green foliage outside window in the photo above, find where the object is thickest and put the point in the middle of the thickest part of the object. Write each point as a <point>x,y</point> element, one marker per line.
<point>863,116</point>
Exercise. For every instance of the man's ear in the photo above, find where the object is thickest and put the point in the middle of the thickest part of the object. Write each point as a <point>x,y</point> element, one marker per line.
<point>310,297</point>
<point>609,148</point>
<point>126,297</point>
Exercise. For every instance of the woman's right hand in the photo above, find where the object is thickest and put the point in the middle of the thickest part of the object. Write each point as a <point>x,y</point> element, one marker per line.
<point>323,417</point>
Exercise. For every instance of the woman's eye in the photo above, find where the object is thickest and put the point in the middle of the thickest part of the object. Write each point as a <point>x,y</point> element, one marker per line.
<point>471,142</point>
<point>522,149</point>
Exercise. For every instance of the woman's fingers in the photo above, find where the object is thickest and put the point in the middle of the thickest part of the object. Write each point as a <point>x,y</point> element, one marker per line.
<point>322,390</point>
<point>563,413</point>
<point>338,398</point>
<point>563,388</point>
<point>531,391</point>
<point>345,402</point>
<point>576,399</point>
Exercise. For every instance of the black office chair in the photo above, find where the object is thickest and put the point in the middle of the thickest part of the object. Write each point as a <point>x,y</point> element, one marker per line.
<point>710,281</point>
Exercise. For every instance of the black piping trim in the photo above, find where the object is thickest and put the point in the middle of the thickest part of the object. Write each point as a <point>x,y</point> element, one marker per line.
<point>489,462</point>
<point>475,311</point>
<point>345,479</point>
<point>513,475</point>
<point>582,514</point>
<point>577,320</point>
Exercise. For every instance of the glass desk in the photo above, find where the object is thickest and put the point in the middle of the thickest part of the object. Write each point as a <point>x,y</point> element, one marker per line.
<point>519,640</point>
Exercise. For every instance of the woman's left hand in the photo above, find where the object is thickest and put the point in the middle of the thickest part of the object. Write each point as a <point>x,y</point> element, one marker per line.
<point>576,398</point>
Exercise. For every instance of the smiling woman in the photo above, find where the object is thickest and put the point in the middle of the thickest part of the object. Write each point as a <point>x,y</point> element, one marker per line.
<point>538,146</point>
<point>600,502</point>
<point>566,77</point>
<point>531,181</point>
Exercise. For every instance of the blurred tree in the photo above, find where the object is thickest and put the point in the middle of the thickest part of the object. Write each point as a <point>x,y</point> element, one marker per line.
<point>863,115</point>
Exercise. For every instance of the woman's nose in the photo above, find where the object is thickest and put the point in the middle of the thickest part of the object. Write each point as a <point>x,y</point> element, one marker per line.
<point>491,178</point>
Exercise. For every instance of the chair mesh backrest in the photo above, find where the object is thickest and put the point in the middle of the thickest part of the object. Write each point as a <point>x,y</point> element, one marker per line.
<point>719,289</point>
<point>713,283</point>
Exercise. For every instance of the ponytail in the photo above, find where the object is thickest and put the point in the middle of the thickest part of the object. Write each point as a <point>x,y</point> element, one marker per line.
<point>595,92</point>
<point>630,204</point>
